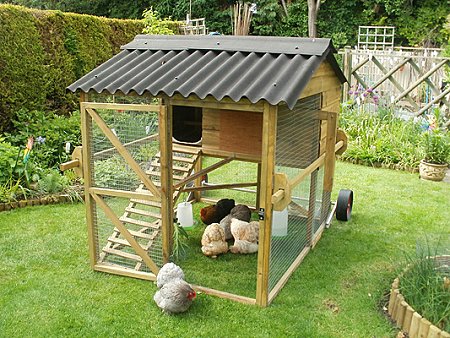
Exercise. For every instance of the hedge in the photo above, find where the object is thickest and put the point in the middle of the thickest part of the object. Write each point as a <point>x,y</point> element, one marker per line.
<point>42,52</point>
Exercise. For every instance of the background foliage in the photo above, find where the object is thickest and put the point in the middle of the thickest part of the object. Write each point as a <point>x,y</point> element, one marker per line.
<point>42,52</point>
<point>418,22</point>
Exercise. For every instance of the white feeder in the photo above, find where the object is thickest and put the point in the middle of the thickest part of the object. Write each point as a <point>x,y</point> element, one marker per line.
<point>280,223</point>
<point>184,214</point>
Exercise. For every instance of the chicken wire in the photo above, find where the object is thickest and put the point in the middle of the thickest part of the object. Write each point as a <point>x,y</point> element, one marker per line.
<point>138,132</point>
<point>230,173</point>
<point>298,142</point>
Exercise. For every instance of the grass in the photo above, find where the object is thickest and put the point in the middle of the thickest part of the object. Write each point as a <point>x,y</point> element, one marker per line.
<point>48,289</point>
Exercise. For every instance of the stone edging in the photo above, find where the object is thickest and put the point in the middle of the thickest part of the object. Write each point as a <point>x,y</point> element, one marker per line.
<point>52,199</point>
<point>408,320</point>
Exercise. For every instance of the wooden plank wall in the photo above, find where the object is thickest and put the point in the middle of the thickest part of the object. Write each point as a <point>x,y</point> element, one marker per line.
<point>232,131</point>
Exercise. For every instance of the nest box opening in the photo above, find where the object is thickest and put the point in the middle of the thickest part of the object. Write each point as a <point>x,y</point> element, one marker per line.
<point>187,124</point>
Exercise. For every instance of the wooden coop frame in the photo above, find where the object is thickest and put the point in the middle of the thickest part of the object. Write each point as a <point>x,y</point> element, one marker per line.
<point>296,68</point>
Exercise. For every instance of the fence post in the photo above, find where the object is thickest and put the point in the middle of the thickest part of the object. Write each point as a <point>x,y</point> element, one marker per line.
<point>347,71</point>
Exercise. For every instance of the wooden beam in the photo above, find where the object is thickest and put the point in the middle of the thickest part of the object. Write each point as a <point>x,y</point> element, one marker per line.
<point>165,144</point>
<point>242,105</point>
<point>265,226</point>
<point>420,80</point>
<point>389,74</point>
<point>135,142</point>
<point>125,233</point>
<point>220,186</point>
<point>435,90</point>
<point>86,128</point>
<point>226,295</point>
<point>122,106</point>
<point>124,153</point>
<point>198,181</point>
<point>435,100</point>
<point>123,194</point>
<point>394,82</point>
<point>311,208</point>
<point>330,156</point>
<point>204,171</point>
<point>122,271</point>
<point>307,171</point>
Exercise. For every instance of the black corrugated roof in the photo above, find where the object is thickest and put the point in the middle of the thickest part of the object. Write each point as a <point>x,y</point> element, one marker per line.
<point>274,69</point>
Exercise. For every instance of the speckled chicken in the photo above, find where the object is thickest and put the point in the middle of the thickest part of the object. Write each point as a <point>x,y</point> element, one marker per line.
<point>215,213</point>
<point>167,273</point>
<point>174,294</point>
<point>174,297</point>
<point>213,241</point>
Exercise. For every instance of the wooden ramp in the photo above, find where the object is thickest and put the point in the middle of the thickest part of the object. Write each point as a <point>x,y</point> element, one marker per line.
<point>142,218</point>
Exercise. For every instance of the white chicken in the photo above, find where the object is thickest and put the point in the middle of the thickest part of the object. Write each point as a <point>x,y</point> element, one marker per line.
<point>245,236</point>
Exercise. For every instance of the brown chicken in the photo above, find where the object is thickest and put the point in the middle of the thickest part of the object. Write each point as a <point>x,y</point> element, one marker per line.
<point>215,213</point>
<point>175,297</point>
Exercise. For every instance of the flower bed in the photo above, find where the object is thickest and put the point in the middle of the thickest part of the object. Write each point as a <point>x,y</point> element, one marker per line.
<point>409,320</point>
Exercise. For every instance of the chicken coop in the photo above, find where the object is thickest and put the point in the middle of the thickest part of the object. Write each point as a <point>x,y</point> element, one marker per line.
<point>198,118</point>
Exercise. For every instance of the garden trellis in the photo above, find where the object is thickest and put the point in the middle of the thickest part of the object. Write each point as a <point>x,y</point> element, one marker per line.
<point>262,110</point>
<point>413,78</point>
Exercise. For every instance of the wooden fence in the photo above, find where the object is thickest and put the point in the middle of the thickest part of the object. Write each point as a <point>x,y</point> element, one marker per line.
<point>412,78</point>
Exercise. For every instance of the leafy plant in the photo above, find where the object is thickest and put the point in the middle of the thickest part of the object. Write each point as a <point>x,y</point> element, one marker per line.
<point>113,172</point>
<point>179,245</point>
<point>51,131</point>
<point>154,25</point>
<point>423,286</point>
<point>436,147</point>
<point>380,138</point>
<point>52,182</point>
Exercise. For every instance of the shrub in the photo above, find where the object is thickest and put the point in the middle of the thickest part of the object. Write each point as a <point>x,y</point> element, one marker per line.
<point>51,133</point>
<point>42,52</point>
<point>381,138</point>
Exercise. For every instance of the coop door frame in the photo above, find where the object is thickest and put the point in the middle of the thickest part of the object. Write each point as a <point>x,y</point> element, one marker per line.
<point>94,195</point>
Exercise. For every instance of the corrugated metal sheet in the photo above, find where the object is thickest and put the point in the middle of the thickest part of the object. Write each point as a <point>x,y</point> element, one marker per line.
<point>256,68</point>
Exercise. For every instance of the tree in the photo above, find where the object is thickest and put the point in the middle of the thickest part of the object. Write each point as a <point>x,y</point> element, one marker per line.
<point>313,10</point>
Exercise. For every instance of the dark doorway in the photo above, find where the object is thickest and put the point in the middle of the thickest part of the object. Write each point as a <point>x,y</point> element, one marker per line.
<point>187,124</point>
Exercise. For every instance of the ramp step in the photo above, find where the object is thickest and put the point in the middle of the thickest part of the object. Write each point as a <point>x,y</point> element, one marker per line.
<point>142,212</point>
<point>123,254</point>
<point>140,234</point>
<point>139,222</point>
<point>146,202</point>
<point>124,242</point>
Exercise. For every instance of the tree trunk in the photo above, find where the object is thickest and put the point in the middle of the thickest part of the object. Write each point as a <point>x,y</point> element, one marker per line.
<point>313,9</point>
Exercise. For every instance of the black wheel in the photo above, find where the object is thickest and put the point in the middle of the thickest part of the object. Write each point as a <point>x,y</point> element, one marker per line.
<point>344,205</point>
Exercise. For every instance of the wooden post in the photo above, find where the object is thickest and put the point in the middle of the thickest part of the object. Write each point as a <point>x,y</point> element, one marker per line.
<point>311,208</point>
<point>165,144</point>
<point>266,190</point>
<point>258,186</point>
<point>415,323</point>
<point>347,71</point>
<point>86,128</point>
<point>330,157</point>
<point>408,318</point>
<point>198,180</point>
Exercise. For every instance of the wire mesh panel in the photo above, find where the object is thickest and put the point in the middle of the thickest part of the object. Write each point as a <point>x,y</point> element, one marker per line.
<point>235,172</point>
<point>137,132</point>
<point>298,141</point>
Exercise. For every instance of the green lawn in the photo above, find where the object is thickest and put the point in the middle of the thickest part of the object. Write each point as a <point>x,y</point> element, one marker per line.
<point>48,289</point>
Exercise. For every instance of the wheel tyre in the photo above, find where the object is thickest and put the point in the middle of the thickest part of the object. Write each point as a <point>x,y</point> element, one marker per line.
<point>344,205</point>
